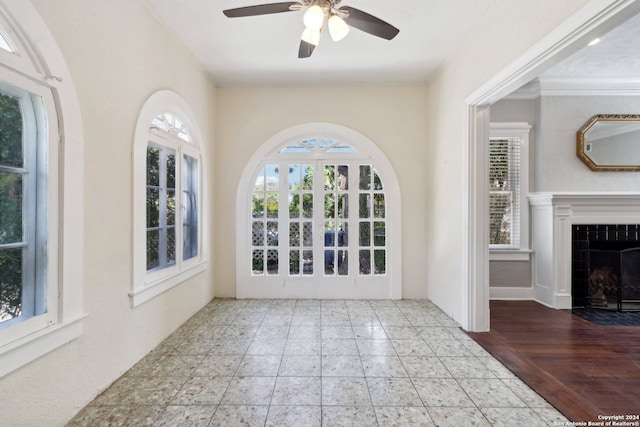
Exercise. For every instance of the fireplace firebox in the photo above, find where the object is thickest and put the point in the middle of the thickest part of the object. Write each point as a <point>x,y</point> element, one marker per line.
<point>606,267</point>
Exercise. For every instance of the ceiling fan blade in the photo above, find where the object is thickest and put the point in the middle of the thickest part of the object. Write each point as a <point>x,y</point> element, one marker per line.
<point>305,50</point>
<point>369,23</point>
<point>261,9</point>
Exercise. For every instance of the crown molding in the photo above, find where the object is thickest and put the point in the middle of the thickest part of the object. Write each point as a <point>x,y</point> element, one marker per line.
<point>550,86</point>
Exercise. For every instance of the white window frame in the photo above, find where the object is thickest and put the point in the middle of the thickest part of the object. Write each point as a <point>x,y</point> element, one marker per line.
<point>521,131</point>
<point>36,65</point>
<point>149,284</point>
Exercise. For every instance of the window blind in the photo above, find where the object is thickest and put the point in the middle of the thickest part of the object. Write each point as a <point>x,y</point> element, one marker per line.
<point>504,192</point>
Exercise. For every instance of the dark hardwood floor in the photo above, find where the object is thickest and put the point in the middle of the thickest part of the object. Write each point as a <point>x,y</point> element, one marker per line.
<point>582,369</point>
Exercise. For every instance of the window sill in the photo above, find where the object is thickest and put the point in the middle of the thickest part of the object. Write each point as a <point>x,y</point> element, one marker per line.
<point>148,291</point>
<point>510,254</point>
<point>31,347</point>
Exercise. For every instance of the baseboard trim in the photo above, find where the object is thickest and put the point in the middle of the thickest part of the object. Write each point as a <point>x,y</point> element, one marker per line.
<point>511,293</point>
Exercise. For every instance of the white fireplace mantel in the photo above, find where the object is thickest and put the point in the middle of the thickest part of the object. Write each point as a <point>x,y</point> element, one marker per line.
<point>552,217</point>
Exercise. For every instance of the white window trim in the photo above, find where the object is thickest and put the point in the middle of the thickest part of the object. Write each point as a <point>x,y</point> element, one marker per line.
<point>147,286</point>
<point>519,130</point>
<point>42,62</point>
<point>366,150</point>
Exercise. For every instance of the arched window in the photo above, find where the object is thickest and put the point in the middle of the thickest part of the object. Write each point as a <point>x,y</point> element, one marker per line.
<point>167,197</point>
<point>40,250</point>
<point>318,220</point>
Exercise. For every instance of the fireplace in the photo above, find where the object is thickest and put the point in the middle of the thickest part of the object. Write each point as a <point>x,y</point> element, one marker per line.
<point>606,266</point>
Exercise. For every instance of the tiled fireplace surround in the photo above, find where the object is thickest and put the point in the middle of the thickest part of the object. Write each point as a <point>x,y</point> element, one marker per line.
<point>553,217</point>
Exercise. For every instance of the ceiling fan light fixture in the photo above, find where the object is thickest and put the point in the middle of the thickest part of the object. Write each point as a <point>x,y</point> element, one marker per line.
<point>314,17</point>
<point>311,36</point>
<point>337,28</point>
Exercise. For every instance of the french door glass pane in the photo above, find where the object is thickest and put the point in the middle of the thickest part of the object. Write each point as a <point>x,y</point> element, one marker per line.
<point>257,230</point>
<point>365,177</point>
<point>171,207</point>
<point>307,205</point>
<point>307,234</point>
<point>307,177</point>
<point>272,233</point>
<point>365,205</point>
<point>294,206</point>
<point>365,234</point>
<point>171,170</point>
<point>257,205</point>
<point>365,262</point>
<point>294,234</point>
<point>272,261</point>
<point>380,261</point>
<point>257,263</point>
<point>379,234</point>
<point>307,259</point>
<point>378,205</point>
<point>294,262</point>
<point>272,205</point>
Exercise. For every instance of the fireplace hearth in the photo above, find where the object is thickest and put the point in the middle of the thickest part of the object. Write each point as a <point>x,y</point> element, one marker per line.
<point>606,267</point>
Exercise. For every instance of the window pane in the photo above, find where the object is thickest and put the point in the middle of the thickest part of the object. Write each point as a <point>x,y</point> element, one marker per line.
<point>500,217</point>
<point>294,234</point>
<point>272,261</point>
<point>171,207</point>
<point>294,262</point>
<point>342,181</point>
<point>10,283</point>
<point>171,169</point>
<point>365,261</point>
<point>294,206</point>
<point>329,257</point>
<point>307,177</point>
<point>153,249</point>
<point>365,234</point>
<point>343,263</point>
<point>11,153</point>
<point>257,203</point>
<point>379,234</point>
<point>272,233</point>
<point>153,207</point>
<point>365,205</point>
<point>380,261</point>
<point>329,206</point>
<point>190,196</point>
<point>365,177</point>
<point>307,259</point>
<point>257,263</point>
<point>377,182</point>
<point>307,205</point>
<point>378,206</point>
<point>272,205</point>
<point>294,177</point>
<point>307,234</point>
<point>11,207</point>
<point>153,166</point>
<point>343,206</point>
<point>343,234</point>
<point>273,178</point>
<point>171,245</point>
<point>329,177</point>
<point>257,234</point>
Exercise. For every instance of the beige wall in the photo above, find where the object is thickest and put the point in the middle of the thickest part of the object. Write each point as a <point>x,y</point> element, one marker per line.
<point>391,116</point>
<point>118,55</point>
<point>508,30</point>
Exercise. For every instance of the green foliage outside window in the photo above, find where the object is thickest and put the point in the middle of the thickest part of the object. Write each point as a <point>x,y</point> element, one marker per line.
<point>11,207</point>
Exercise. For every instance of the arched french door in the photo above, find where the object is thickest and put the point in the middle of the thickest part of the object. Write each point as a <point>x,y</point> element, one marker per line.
<point>318,218</point>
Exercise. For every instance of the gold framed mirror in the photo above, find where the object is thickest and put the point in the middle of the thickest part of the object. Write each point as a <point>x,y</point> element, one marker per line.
<point>610,142</point>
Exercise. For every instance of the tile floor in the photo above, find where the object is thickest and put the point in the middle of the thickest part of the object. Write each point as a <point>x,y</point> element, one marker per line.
<point>318,363</point>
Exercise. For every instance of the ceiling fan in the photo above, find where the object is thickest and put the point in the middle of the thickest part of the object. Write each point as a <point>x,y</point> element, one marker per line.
<point>339,19</point>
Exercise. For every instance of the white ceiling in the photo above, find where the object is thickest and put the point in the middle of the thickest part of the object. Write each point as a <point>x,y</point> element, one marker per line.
<point>263,50</point>
<point>615,57</point>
